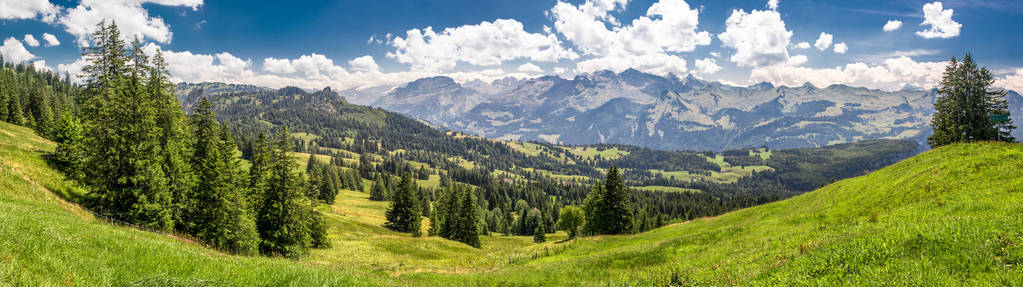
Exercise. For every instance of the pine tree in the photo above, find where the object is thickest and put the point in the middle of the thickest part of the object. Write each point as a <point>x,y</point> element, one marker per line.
<point>69,138</point>
<point>466,230</point>
<point>122,165</point>
<point>378,192</point>
<point>969,106</point>
<point>595,220</point>
<point>282,216</point>
<point>616,204</point>
<point>259,169</point>
<point>216,212</point>
<point>174,138</point>
<point>404,215</point>
<point>539,235</point>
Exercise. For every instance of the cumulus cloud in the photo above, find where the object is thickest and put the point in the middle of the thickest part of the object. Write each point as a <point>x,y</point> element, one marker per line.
<point>530,68</point>
<point>275,65</point>
<point>841,48</point>
<point>891,75</point>
<point>74,69</point>
<point>27,9</point>
<point>772,4</point>
<point>667,26</point>
<point>660,64</point>
<point>14,51</point>
<point>31,40</point>
<point>132,19</point>
<point>706,66</point>
<point>364,64</point>
<point>40,65</point>
<point>1012,82</point>
<point>892,25</point>
<point>758,37</point>
<point>940,22</point>
<point>823,42</point>
<point>486,44</point>
<point>51,40</point>
<point>801,45</point>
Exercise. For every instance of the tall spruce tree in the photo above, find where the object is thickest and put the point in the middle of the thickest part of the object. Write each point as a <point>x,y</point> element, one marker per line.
<point>969,108</point>
<point>378,192</point>
<point>123,165</point>
<point>259,169</point>
<point>283,212</point>
<point>404,215</point>
<point>466,230</point>
<point>217,213</point>
<point>616,204</point>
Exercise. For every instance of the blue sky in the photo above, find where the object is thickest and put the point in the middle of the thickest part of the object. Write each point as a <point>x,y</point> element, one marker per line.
<point>313,44</point>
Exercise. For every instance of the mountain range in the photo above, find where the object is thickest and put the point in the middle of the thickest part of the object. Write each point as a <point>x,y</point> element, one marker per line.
<point>663,112</point>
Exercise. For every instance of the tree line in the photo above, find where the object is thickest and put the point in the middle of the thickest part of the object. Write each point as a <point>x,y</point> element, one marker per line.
<point>145,162</point>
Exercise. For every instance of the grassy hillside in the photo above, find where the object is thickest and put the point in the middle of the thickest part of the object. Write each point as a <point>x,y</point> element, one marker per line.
<point>951,216</point>
<point>47,241</point>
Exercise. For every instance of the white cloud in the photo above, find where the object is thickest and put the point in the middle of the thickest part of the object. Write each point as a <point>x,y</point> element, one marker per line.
<point>797,60</point>
<point>841,48</point>
<point>189,67</point>
<point>275,65</point>
<point>74,69</point>
<point>486,44</point>
<point>1011,82</point>
<point>132,19</point>
<point>772,4</point>
<point>706,66</point>
<point>667,26</point>
<point>559,70</point>
<point>530,68</point>
<point>51,40</point>
<point>40,65</point>
<point>31,40</point>
<point>802,45</point>
<point>940,22</point>
<point>892,25</point>
<point>14,51</point>
<point>823,42</point>
<point>364,64</point>
<point>27,9</point>
<point>758,37</point>
<point>660,64</point>
<point>891,75</point>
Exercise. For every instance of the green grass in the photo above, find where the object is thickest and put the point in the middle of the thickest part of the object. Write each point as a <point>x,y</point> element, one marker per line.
<point>45,240</point>
<point>952,216</point>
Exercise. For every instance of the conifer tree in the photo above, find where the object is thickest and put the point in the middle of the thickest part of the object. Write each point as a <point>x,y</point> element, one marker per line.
<point>122,165</point>
<point>969,108</point>
<point>404,215</point>
<point>261,158</point>
<point>69,138</point>
<point>283,212</point>
<point>378,192</point>
<point>616,204</point>
<point>539,235</point>
<point>216,212</point>
<point>466,230</point>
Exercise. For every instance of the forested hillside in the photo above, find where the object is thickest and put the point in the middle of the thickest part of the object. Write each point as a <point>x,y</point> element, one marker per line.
<point>668,185</point>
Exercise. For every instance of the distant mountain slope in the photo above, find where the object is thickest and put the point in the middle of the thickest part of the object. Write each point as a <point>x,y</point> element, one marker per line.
<point>671,113</point>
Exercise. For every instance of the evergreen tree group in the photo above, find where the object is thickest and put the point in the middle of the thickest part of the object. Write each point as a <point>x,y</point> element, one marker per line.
<point>607,207</point>
<point>145,162</point>
<point>405,211</point>
<point>969,108</point>
<point>456,216</point>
